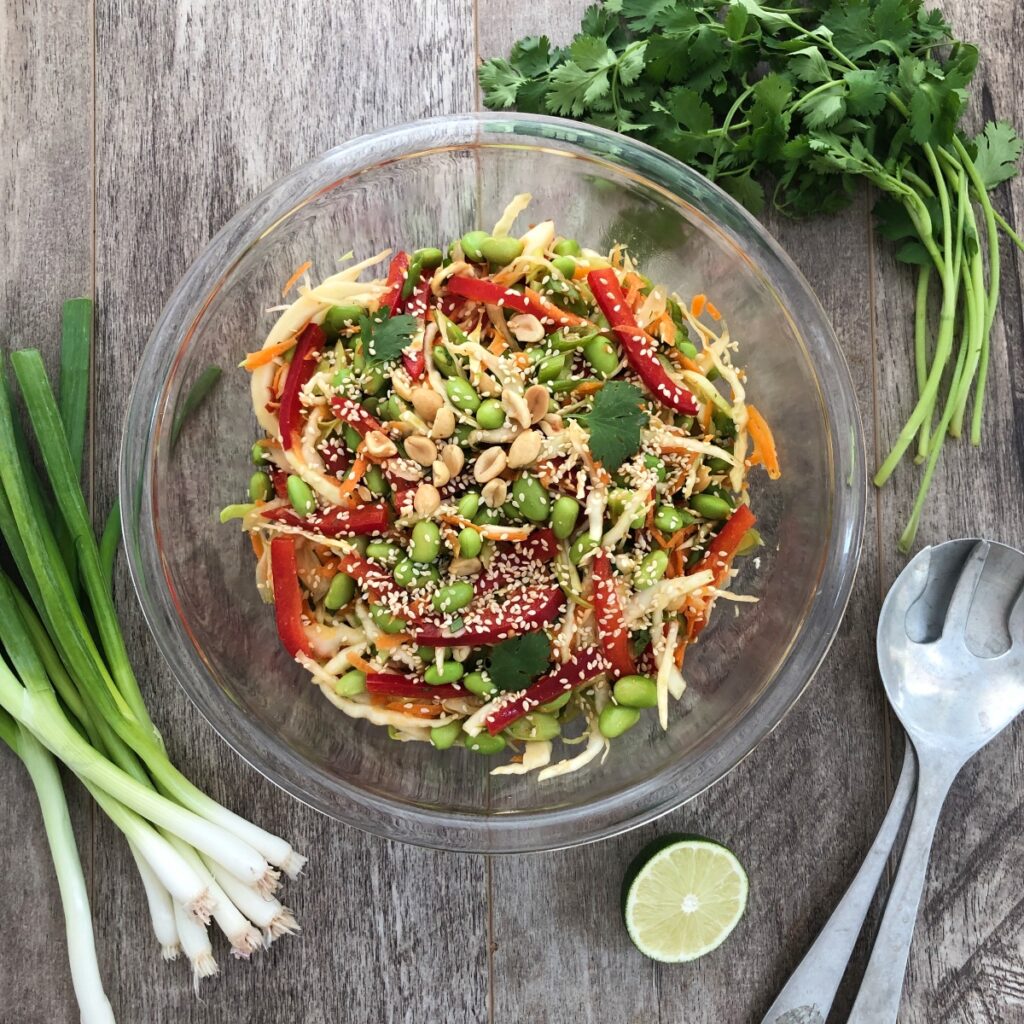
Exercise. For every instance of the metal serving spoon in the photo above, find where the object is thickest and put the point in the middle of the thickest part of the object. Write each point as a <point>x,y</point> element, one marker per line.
<point>951,655</point>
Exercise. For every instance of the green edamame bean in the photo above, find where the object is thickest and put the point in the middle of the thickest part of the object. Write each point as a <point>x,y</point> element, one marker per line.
<point>616,719</point>
<point>426,541</point>
<point>617,505</point>
<point>462,395</point>
<point>669,519</point>
<point>687,347</point>
<point>470,543</point>
<point>636,692</point>
<point>300,494</point>
<point>535,726</point>
<point>557,704</point>
<point>375,481</point>
<point>471,242</point>
<point>489,414</point>
<point>350,684</point>
<point>567,247</point>
<point>469,504</point>
<point>453,597</point>
<point>462,432</point>
<point>414,575</point>
<point>384,551</point>
<point>717,465</point>
<point>339,317</point>
<point>429,258</point>
<point>478,683</point>
<point>340,592</point>
<point>565,265</point>
<point>444,736</point>
<point>444,361</point>
<point>487,517</point>
<point>360,544</point>
<point>372,406</point>
<point>658,465</point>
<point>385,621</point>
<point>511,512</point>
<point>374,381</point>
<point>501,251</point>
<point>449,672</point>
<point>260,487</point>
<point>256,454</point>
<point>529,495</point>
<point>550,367</point>
<point>351,437</point>
<point>485,743</point>
<point>583,543</point>
<point>535,355</point>
<point>564,513</point>
<point>710,506</point>
<point>650,570</point>
<point>750,541</point>
<point>601,355</point>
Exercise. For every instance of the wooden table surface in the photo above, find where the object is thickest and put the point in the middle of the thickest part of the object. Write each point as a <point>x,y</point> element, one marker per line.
<point>129,133</point>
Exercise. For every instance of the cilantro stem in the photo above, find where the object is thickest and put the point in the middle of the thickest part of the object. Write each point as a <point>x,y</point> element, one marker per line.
<point>1008,230</point>
<point>920,349</point>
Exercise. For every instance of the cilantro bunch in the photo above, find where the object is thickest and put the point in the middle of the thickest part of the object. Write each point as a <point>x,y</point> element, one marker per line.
<point>800,102</point>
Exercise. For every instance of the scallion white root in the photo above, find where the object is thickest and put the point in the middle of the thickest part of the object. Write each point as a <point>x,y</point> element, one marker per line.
<point>161,907</point>
<point>265,912</point>
<point>195,940</point>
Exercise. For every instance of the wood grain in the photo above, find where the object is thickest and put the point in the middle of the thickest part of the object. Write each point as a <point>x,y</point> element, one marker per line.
<point>198,107</point>
<point>46,179</point>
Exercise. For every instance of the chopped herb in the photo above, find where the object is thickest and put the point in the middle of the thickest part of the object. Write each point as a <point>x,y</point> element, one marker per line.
<point>385,337</point>
<point>615,423</point>
<point>516,662</point>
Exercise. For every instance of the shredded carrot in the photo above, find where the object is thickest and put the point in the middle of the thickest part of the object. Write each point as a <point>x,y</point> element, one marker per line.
<point>279,376</point>
<point>580,272</point>
<point>497,346</point>
<point>713,311</point>
<point>418,709</point>
<point>293,280</point>
<point>360,663</point>
<point>615,257</point>
<point>588,387</point>
<point>698,304</point>
<point>680,480</point>
<point>257,544</point>
<point>348,485</point>
<point>254,360</point>
<point>633,282</point>
<point>680,654</point>
<point>667,329</point>
<point>522,360</point>
<point>764,442</point>
<point>386,641</point>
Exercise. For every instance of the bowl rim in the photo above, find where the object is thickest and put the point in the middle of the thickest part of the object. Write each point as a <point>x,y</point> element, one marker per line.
<point>527,831</point>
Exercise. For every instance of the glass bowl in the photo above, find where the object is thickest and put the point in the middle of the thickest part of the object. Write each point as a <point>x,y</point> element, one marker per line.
<point>418,185</point>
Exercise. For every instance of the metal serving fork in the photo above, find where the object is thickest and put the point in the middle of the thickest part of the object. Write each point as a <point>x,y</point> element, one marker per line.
<point>952,699</point>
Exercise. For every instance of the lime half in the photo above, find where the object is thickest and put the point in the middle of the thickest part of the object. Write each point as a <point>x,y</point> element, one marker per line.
<point>682,896</point>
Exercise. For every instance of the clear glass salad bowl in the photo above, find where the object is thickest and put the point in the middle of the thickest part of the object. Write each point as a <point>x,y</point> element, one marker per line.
<point>423,184</point>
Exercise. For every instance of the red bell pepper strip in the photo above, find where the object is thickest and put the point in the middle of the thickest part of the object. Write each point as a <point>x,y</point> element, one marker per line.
<point>641,357</point>
<point>352,413</point>
<point>395,685</point>
<point>397,273</point>
<point>583,666</point>
<point>725,543</point>
<point>611,626</point>
<point>279,478</point>
<point>287,597</point>
<point>414,362</point>
<point>513,564</point>
<point>521,611</point>
<point>482,290</point>
<point>336,522</point>
<point>376,580</point>
<point>303,366</point>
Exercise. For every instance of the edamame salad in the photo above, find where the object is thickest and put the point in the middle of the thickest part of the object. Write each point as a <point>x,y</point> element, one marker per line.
<point>499,491</point>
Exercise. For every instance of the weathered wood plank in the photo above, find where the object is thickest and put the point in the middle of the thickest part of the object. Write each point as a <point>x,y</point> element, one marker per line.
<point>808,798</point>
<point>232,97</point>
<point>45,238</point>
<point>965,962</point>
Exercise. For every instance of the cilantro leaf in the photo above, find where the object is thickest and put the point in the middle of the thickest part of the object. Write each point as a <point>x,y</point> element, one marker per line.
<point>866,90</point>
<point>531,56</point>
<point>501,83</point>
<point>385,337</point>
<point>998,158</point>
<point>517,661</point>
<point>615,423</point>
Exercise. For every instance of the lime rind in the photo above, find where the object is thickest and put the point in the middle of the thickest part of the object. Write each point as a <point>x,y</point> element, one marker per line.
<point>684,900</point>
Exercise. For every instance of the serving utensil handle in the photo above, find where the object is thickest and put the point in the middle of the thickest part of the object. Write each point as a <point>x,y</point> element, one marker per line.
<point>807,996</point>
<point>878,1001</point>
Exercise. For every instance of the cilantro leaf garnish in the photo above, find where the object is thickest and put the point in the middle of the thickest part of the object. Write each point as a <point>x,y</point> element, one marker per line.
<point>516,662</point>
<point>802,103</point>
<point>384,336</point>
<point>615,423</point>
